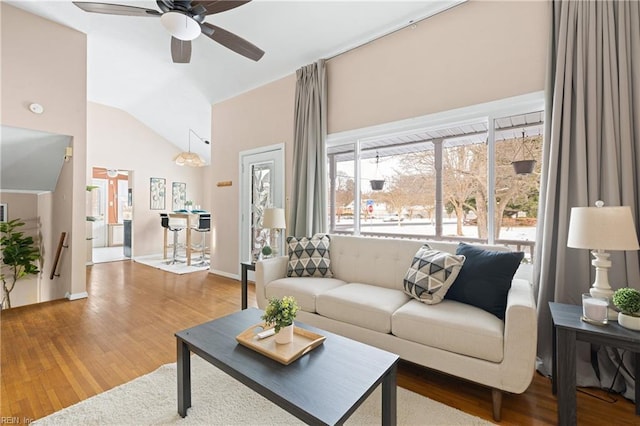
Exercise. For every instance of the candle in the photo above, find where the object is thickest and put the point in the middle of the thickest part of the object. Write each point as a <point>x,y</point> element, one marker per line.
<point>594,308</point>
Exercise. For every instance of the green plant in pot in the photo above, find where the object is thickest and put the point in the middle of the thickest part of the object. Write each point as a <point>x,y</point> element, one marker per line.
<point>267,251</point>
<point>280,313</point>
<point>20,257</point>
<point>627,300</point>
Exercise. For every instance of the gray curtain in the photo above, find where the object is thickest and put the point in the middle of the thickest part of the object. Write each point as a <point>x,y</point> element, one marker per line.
<point>308,212</point>
<point>591,152</point>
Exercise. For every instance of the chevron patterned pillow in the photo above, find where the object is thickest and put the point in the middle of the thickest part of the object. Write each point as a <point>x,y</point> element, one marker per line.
<point>431,274</point>
<point>309,257</point>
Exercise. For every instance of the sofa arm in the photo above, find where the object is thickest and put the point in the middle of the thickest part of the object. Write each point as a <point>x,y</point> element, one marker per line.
<point>520,337</point>
<point>268,270</point>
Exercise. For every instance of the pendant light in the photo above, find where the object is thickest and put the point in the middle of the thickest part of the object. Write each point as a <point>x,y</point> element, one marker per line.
<point>191,158</point>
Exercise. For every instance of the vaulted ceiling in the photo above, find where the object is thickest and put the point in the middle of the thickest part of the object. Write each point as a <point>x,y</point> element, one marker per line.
<point>130,66</point>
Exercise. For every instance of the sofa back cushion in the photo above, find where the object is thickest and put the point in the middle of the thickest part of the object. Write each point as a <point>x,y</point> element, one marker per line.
<point>377,261</point>
<point>380,261</point>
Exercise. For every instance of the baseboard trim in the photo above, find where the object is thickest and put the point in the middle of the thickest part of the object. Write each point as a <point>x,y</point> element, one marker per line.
<point>225,274</point>
<point>76,296</point>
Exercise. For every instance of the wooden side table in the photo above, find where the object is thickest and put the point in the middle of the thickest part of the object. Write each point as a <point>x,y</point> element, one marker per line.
<point>567,329</point>
<point>245,268</point>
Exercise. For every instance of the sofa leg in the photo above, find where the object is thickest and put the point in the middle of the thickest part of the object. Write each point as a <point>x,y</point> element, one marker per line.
<point>496,398</point>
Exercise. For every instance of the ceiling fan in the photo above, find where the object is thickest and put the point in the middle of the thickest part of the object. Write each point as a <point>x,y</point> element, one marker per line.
<point>184,19</point>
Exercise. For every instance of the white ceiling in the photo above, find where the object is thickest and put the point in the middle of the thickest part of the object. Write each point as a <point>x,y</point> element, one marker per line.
<point>30,160</point>
<point>130,67</point>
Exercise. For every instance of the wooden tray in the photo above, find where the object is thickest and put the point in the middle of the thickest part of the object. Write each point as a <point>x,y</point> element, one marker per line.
<point>303,341</point>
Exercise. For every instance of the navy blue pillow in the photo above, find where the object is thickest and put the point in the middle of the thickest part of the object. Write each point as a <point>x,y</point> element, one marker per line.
<point>485,278</point>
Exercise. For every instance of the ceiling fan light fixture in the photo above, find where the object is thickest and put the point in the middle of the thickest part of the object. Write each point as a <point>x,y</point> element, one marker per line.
<point>180,25</point>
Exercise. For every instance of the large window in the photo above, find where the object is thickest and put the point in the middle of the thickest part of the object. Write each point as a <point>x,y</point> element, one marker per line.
<point>471,180</point>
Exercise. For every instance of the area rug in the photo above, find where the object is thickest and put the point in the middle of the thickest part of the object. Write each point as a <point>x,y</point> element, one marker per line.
<point>158,262</point>
<point>218,399</point>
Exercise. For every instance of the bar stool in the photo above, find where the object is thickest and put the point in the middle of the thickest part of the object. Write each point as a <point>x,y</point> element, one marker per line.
<point>164,221</point>
<point>204,226</point>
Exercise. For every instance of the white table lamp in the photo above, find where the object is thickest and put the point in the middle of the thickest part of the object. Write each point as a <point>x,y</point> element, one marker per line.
<point>273,218</point>
<point>602,228</point>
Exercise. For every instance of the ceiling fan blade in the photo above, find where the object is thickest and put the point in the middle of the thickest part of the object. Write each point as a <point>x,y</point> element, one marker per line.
<point>180,51</point>
<point>115,9</point>
<point>232,41</point>
<point>217,6</point>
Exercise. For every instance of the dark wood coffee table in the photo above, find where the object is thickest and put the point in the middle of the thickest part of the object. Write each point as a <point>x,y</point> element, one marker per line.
<point>324,386</point>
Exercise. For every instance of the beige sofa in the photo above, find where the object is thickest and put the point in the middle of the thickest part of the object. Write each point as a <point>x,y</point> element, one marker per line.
<point>365,301</point>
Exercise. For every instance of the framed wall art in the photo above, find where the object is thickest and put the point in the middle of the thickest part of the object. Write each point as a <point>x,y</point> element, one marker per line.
<point>178,195</point>
<point>4,213</point>
<point>157,194</point>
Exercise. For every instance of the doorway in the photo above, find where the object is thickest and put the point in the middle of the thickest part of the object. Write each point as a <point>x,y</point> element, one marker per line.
<point>262,186</point>
<point>111,214</point>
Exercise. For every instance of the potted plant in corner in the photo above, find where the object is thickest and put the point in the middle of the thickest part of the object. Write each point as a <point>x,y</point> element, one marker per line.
<point>280,313</point>
<point>20,256</point>
<point>627,300</point>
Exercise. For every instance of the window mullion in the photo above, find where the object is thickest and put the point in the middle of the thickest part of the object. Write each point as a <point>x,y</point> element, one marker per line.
<point>357,187</point>
<point>491,180</point>
<point>437,151</point>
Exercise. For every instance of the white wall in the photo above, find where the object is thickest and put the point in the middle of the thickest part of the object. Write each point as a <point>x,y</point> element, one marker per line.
<point>474,53</point>
<point>115,139</point>
<point>45,62</point>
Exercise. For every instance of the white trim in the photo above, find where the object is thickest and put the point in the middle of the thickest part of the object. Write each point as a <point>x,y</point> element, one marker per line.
<point>460,116</point>
<point>225,274</point>
<point>76,296</point>
<point>278,150</point>
<point>434,8</point>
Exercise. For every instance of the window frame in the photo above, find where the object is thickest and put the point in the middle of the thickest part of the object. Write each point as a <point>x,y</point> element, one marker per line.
<point>485,112</point>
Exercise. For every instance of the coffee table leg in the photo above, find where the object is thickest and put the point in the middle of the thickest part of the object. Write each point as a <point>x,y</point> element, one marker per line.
<point>389,397</point>
<point>184,378</point>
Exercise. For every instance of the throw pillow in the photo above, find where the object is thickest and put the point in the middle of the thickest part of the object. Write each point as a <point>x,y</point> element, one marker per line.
<point>309,257</point>
<point>431,274</point>
<point>485,279</point>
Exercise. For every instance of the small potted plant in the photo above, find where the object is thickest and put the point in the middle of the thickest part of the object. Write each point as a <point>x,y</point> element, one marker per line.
<point>627,300</point>
<point>266,251</point>
<point>280,313</point>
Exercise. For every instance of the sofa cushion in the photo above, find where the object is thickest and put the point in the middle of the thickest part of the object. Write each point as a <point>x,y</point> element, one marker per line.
<point>485,278</point>
<point>363,305</point>
<point>305,290</point>
<point>451,326</point>
<point>431,274</point>
<point>309,257</point>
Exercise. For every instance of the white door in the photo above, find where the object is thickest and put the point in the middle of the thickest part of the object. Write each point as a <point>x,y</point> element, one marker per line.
<point>261,186</point>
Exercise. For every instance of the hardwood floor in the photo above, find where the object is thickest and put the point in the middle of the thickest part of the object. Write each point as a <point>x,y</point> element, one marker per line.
<point>58,353</point>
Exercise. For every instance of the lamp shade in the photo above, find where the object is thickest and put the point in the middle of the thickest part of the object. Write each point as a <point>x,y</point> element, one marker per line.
<point>603,228</point>
<point>273,218</point>
<point>189,159</point>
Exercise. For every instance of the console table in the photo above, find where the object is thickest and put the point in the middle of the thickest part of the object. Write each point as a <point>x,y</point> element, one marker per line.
<point>567,329</point>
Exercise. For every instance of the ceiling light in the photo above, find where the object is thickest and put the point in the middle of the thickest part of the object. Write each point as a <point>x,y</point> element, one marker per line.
<point>190,158</point>
<point>180,26</point>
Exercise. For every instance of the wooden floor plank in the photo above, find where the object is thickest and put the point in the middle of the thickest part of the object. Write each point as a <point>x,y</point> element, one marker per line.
<point>57,353</point>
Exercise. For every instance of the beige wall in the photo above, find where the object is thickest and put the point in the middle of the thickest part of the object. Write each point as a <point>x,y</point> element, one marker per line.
<point>261,117</point>
<point>118,140</point>
<point>477,52</point>
<point>45,62</point>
